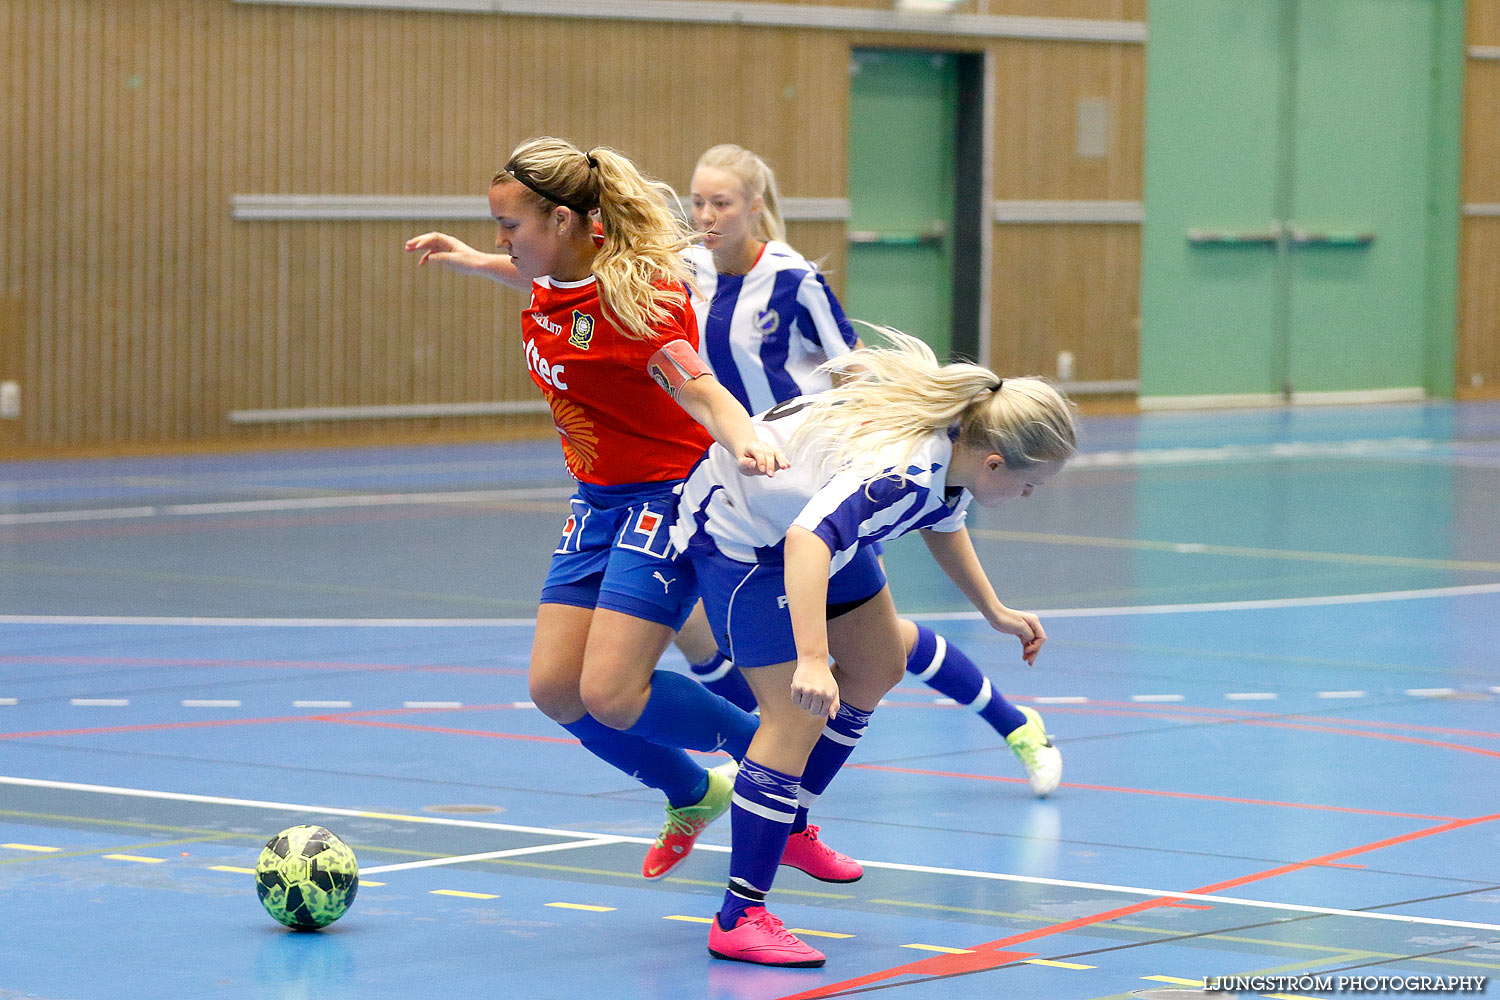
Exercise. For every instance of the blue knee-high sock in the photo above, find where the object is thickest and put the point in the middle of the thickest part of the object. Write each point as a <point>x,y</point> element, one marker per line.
<point>667,768</point>
<point>949,671</point>
<point>724,679</point>
<point>765,801</point>
<point>839,738</point>
<point>683,713</point>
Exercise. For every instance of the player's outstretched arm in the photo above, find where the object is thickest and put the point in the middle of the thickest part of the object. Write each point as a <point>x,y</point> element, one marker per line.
<point>807,558</point>
<point>954,552</point>
<point>454,253</point>
<point>678,369</point>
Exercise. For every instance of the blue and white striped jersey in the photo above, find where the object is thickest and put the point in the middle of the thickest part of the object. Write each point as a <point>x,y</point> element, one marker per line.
<point>764,332</point>
<point>746,517</point>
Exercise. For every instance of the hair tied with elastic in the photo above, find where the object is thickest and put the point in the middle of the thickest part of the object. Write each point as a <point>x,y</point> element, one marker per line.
<point>593,161</point>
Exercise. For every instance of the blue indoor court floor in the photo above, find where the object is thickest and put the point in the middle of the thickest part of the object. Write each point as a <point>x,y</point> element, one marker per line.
<point>1273,673</point>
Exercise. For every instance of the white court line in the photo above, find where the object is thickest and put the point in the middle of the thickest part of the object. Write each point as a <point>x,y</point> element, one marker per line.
<point>287,503</point>
<point>937,616</point>
<point>488,855</point>
<point>930,616</point>
<point>475,824</point>
<point>892,866</point>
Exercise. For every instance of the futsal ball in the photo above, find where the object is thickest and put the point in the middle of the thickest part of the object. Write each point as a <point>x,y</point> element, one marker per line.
<point>306,877</point>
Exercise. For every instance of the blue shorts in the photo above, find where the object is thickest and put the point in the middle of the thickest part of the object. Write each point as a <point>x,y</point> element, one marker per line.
<point>746,603</point>
<point>615,554</point>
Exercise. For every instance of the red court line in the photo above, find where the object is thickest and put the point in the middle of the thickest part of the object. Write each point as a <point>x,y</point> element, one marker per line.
<point>1274,722</point>
<point>1153,791</point>
<point>1160,709</point>
<point>147,727</point>
<point>992,954</point>
<point>450,731</point>
<point>151,661</point>
<point>1393,737</point>
<point>199,523</point>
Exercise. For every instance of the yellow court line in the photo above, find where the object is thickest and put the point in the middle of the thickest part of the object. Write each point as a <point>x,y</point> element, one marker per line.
<point>1057,965</point>
<point>827,934</point>
<point>1175,981</point>
<point>464,895</point>
<point>938,947</point>
<point>691,920</point>
<point>583,906</point>
<point>136,858</point>
<point>368,881</point>
<point>31,847</point>
<point>231,868</point>
<point>1243,551</point>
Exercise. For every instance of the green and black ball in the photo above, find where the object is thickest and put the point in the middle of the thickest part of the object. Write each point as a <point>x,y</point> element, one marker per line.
<point>306,877</point>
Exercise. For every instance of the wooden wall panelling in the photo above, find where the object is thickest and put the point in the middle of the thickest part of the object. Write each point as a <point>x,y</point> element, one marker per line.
<point>1481,167</point>
<point>1479,310</point>
<point>1071,287</point>
<point>1037,89</point>
<point>1484,23</point>
<point>1477,359</point>
<point>1066,286</point>
<point>151,313</point>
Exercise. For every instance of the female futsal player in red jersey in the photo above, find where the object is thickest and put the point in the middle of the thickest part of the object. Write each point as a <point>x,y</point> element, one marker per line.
<point>609,327</point>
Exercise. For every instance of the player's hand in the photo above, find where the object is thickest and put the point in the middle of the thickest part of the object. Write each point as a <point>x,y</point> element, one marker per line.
<point>813,688</point>
<point>1024,626</point>
<point>437,247</point>
<point>760,459</point>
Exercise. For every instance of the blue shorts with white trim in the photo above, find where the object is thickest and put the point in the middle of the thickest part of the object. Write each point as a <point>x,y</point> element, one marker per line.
<point>615,554</point>
<point>746,602</point>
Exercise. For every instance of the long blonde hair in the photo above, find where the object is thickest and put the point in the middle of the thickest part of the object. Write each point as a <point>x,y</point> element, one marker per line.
<point>756,178</point>
<point>640,268</point>
<point>896,396</point>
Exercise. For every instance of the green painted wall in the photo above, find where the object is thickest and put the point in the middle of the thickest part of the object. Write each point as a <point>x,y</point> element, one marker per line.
<point>1333,117</point>
<point>903,112</point>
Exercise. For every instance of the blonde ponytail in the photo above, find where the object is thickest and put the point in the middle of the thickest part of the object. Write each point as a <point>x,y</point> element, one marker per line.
<point>894,397</point>
<point>640,268</point>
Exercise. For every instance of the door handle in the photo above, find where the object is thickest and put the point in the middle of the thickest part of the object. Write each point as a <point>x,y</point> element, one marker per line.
<point>1235,237</point>
<point>1277,234</point>
<point>1299,237</point>
<point>931,236</point>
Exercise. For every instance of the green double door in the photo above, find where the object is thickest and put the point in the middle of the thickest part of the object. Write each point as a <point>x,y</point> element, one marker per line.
<point>1300,158</point>
<point>904,108</point>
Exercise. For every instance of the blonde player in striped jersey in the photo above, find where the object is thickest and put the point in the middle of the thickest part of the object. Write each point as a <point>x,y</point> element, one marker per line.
<point>788,577</point>
<point>767,319</point>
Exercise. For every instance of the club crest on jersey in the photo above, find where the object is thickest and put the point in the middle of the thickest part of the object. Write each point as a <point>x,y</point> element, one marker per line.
<point>766,321</point>
<point>583,330</point>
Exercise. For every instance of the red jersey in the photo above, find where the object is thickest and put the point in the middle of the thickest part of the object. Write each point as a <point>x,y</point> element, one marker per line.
<point>617,424</point>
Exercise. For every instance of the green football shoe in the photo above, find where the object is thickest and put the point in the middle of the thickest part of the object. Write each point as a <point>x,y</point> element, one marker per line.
<point>1042,761</point>
<point>681,830</point>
